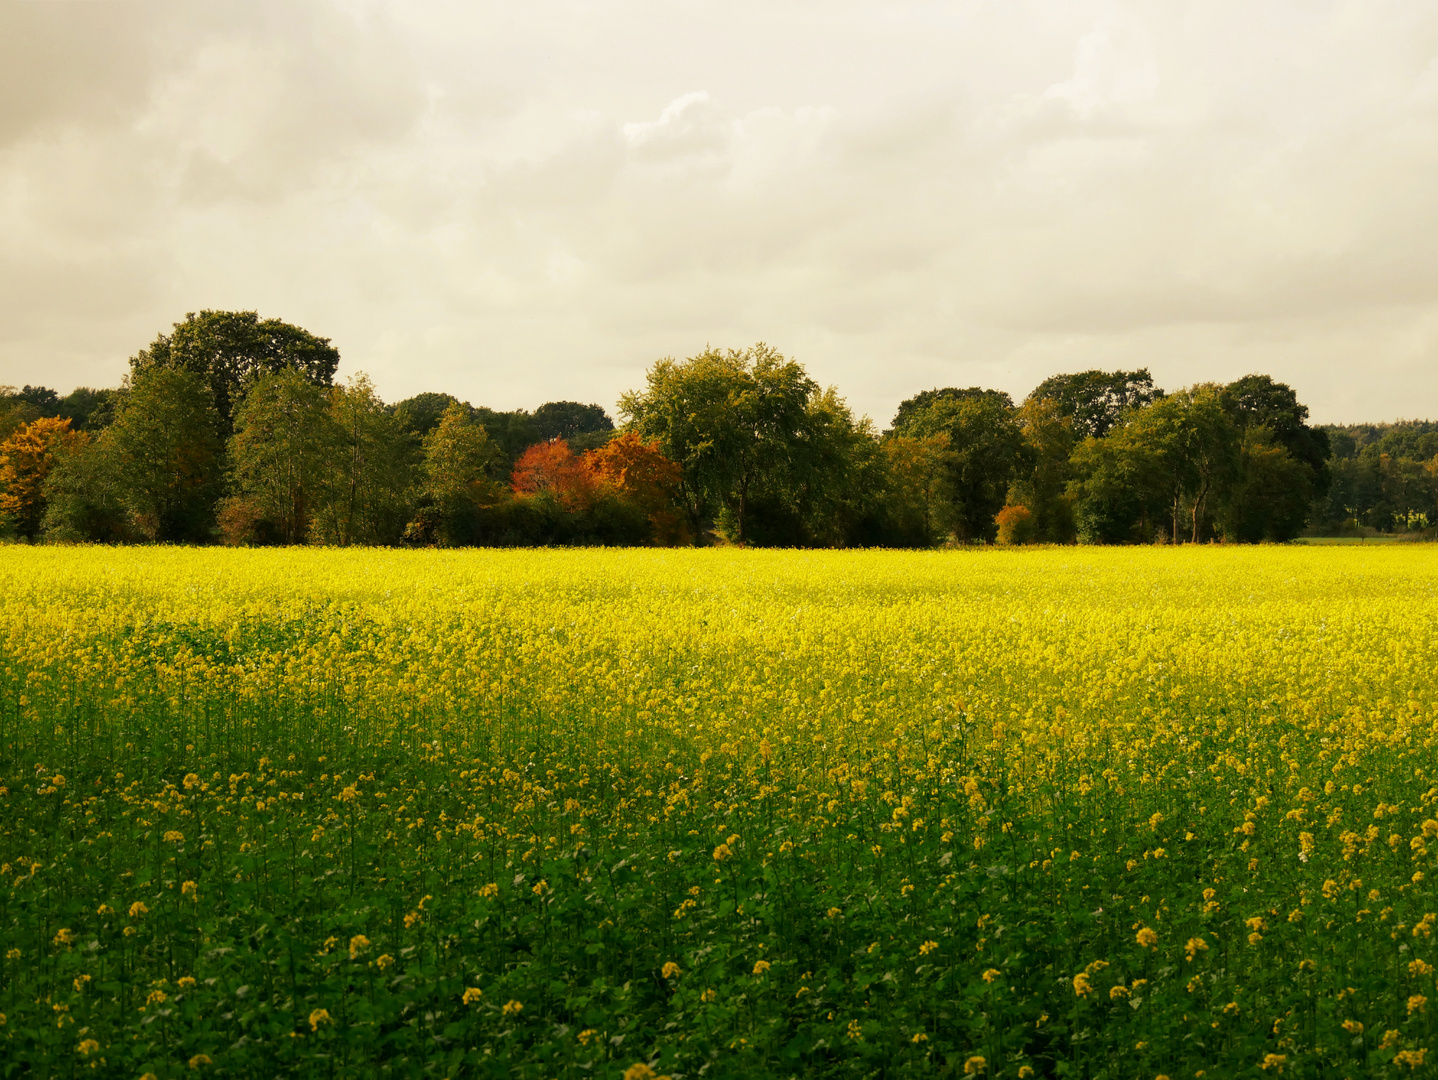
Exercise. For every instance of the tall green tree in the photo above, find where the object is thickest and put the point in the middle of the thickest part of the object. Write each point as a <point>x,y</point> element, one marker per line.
<point>569,420</point>
<point>1120,490</point>
<point>86,495</point>
<point>419,415</point>
<point>367,476</point>
<point>15,411</point>
<point>231,350</point>
<point>1195,442</point>
<point>1096,401</point>
<point>1041,481</point>
<point>917,500</point>
<point>986,449</point>
<point>829,493</point>
<point>1258,401</point>
<point>166,448</point>
<point>158,466</point>
<point>733,422</point>
<point>1270,495</point>
<point>457,486</point>
<point>283,436</point>
<point>1283,463</point>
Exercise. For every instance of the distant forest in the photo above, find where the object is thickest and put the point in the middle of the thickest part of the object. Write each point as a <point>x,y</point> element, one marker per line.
<point>231,429</point>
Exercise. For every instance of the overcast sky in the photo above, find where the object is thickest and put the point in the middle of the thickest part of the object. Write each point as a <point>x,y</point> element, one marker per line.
<point>520,202</point>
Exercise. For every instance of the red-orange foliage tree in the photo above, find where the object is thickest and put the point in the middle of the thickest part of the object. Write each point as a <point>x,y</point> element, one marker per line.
<point>640,473</point>
<point>626,468</point>
<point>550,468</point>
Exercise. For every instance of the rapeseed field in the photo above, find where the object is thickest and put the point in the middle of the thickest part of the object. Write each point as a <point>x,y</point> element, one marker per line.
<point>719,813</point>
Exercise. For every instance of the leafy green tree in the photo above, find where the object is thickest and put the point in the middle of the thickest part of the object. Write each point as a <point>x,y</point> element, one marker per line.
<point>457,486</point>
<point>1270,495</point>
<point>512,433</point>
<point>15,411</point>
<point>1119,489</point>
<point>1041,483</point>
<point>368,470</point>
<point>86,408</point>
<point>1257,401</point>
<point>1283,465</point>
<point>830,492</point>
<point>85,495</point>
<point>732,420</point>
<point>986,449</point>
<point>166,447</point>
<point>283,435</point>
<point>1097,400</point>
<point>231,350</point>
<point>1195,442</point>
<point>420,414</point>
<point>917,501</point>
<point>569,420</point>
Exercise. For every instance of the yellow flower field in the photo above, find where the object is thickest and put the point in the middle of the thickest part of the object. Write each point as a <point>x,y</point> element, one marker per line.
<point>1080,812</point>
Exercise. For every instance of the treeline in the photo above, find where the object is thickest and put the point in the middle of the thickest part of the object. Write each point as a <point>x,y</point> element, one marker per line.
<point>232,429</point>
<point>1385,478</point>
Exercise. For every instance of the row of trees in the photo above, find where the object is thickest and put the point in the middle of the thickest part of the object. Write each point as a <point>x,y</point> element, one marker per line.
<point>1385,479</point>
<point>233,427</point>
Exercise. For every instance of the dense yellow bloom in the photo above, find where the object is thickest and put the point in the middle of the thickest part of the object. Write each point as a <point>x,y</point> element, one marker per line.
<point>975,1065</point>
<point>915,724</point>
<point>319,1017</point>
<point>512,1008</point>
<point>471,995</point>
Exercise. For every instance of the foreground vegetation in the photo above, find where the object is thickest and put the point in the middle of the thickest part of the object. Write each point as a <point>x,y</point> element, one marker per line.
<point>1075,812</point>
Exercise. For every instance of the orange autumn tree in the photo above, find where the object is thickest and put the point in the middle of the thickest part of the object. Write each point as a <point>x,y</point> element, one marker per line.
<point>550,468</point>
<point>26,458</point>
<point>640,473</point>
<point>626,468</point>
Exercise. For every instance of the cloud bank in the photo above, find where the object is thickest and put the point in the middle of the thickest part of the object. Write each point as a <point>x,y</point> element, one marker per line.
<point>525,202</point>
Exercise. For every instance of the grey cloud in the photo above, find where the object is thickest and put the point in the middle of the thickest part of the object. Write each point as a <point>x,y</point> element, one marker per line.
<point>526,202</point>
